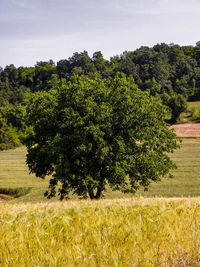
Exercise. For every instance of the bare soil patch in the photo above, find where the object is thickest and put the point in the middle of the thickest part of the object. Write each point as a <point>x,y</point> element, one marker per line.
<point>187,129</point>
<point>5,198</point>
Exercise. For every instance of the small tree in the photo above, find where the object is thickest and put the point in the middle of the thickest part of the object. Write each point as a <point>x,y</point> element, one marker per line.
<point>89,133</point>
<point>177,103</point>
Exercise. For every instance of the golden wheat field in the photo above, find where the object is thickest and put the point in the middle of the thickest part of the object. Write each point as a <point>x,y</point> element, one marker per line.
<point>128,232</point>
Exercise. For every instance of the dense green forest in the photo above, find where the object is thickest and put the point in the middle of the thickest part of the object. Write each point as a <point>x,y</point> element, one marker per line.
<point>171,72</point>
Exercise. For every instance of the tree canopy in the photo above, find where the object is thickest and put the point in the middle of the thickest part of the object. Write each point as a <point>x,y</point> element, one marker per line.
<point>90,133</point>
<point>171,72</point>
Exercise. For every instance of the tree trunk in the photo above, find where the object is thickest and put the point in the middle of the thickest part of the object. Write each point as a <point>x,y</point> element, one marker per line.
<point>98,193</point>
<point>91,193</point>
<point>101,186</point>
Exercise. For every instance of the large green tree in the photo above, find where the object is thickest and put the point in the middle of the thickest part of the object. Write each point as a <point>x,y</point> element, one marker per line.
<point>90,133</point>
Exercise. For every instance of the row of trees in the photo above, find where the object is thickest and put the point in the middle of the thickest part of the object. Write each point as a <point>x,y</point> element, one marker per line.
<point>161,69</point>
<point>171,72</point>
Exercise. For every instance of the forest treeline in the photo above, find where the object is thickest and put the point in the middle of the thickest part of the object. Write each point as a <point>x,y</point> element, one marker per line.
<point>171,72</point>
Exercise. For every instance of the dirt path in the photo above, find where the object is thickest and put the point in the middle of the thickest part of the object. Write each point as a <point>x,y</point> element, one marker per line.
<point>187,129</point>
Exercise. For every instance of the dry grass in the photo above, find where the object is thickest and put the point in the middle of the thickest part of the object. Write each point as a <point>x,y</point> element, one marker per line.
<point>129,232</point>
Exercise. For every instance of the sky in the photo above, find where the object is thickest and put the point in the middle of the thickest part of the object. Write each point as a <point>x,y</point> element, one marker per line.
<point>40,30</point>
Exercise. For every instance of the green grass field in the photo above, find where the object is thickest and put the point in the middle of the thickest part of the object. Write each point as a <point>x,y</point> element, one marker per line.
<point>186,182</point>
<point>14,174</point>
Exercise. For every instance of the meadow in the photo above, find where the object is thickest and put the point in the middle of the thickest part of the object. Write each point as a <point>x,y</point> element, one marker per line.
<point>14,175</point>
<point>186,182</point>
